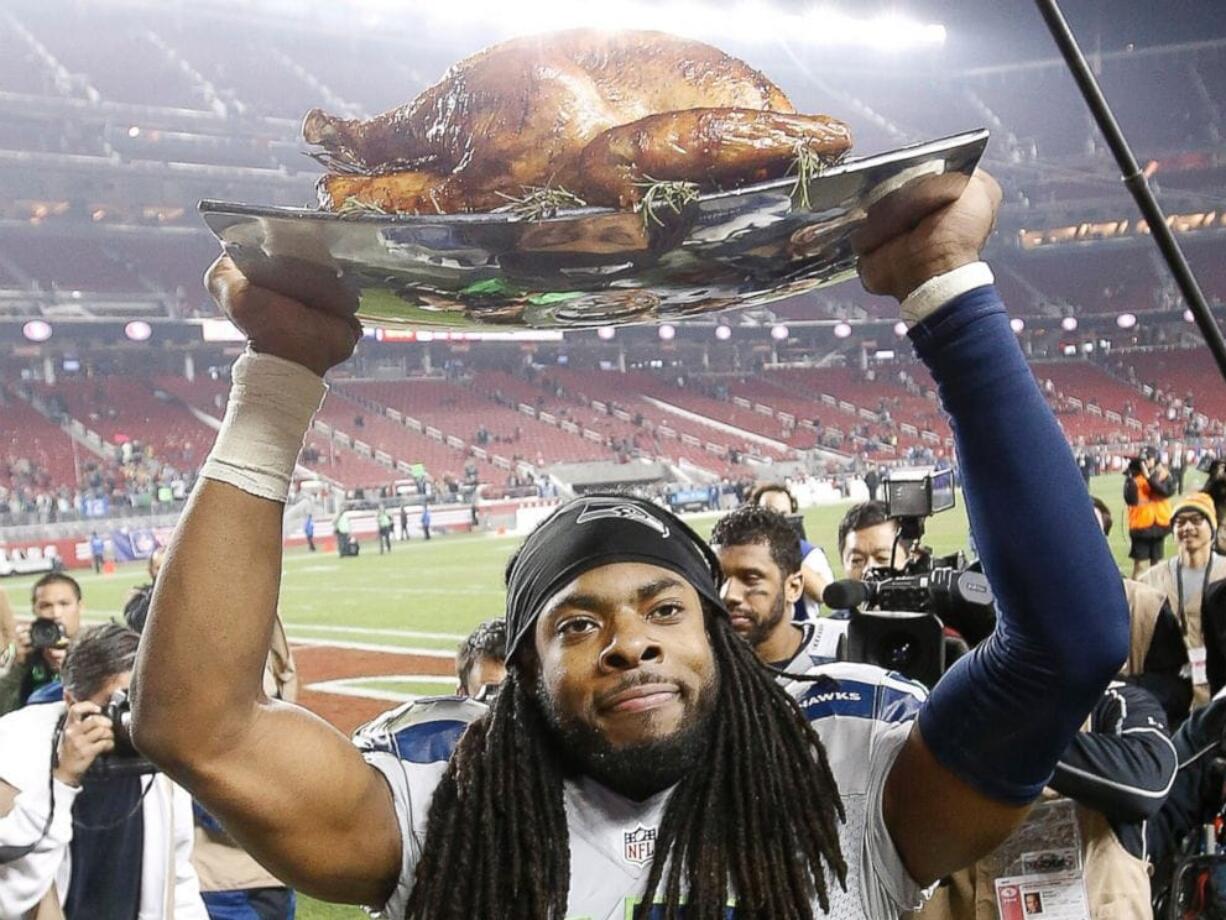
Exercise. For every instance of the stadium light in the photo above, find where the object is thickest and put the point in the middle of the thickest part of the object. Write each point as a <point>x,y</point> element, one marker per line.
<point>1126,320</point>
<point>134,131</point>
<point>723,333</point>
<point>750,21</point>
<point>138,330</point>
<point>1069,323</point>
<point>842,331</point>
<point>900,329</point>
<point>606,333</point>
<point>667,332</point>
<point>1188,317</point>
<point>37,330</point>
<point>1017,325</point>
<point>779,333</point>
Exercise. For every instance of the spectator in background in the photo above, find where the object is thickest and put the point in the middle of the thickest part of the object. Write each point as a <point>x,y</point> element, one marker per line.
<point>156,558</point>
<point>341,527</point>
<point>481,660</point>
<point>815,566</point>
<point>1178,467</point>
<point>55,598</point>
<point>96,549</point>
<point>384,523</point>
<point>425,519</point>
<point>103,846</point>
<point>404,522</point>
<point>1185,578</point>
<point>1157,657</point>
<point>871,481</point>
<point>1147,492</point>
<point>308,530</point>
<point>8,636</point>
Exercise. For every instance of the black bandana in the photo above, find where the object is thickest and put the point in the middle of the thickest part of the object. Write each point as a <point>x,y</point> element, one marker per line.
<point>600,530</point>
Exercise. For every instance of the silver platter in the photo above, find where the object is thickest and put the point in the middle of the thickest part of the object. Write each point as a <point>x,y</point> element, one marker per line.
<point>596,266</point>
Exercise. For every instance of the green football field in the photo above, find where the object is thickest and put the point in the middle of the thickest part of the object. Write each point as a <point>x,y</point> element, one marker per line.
<point>425,595</point>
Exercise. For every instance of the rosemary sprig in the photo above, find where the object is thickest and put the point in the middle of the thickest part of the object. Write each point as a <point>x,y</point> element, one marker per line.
<point>540,202</point>
<point>807,165</point>
<point>667,193</point>
<point>354,207</point>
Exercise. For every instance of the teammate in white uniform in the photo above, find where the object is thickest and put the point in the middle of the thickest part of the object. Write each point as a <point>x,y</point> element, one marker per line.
<point>631,703</point>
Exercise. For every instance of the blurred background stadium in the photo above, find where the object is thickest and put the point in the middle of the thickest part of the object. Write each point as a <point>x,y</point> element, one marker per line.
<point>117,117</point>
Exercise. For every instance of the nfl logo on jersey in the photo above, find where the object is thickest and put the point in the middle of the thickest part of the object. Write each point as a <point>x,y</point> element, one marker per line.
<point>640,845</point>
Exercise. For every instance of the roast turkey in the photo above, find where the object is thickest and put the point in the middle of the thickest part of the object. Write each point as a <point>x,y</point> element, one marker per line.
<point>598,115</point>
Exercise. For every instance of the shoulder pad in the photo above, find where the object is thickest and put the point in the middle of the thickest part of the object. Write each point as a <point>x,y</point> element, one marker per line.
<point>423,731</point>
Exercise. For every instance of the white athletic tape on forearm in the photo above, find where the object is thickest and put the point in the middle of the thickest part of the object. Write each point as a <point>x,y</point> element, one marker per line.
<point>271,405</point>
<point>936,292</point>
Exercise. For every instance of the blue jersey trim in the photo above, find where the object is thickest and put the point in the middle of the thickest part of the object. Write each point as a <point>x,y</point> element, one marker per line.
<point>428,742</point>
<point>858,700</point>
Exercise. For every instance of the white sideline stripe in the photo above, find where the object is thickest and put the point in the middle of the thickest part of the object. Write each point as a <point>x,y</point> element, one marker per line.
<point>371,647</point>
<point>96,616</point>
<point>338,688</point>
<point>407,589</point>
<point>353,686</point>
<point>372,631</point>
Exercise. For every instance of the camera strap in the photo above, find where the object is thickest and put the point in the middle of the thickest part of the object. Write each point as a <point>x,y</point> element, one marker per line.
<point>1183,619</point>
<point>10,854</point>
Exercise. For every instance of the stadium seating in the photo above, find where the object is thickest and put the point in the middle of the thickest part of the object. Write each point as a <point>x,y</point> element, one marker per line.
<point>458,411</point>
<point>1178,373</point>
<point>123,409</point>
<point>32,437</point>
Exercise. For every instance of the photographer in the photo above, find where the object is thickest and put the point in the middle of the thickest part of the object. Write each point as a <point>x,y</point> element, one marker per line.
<point>869,538</point>
<point>76,842</point>
<point>1147,492</point>
<point>1215,488</point>
<point>41,645</point>
<point>1157,657</point>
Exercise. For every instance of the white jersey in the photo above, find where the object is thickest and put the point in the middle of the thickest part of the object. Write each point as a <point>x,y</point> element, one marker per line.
<point>861,713</point>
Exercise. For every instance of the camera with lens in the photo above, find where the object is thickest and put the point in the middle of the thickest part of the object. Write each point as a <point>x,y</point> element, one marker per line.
<point>898,615</point>
<point>45,634</point>
<point>125,759</point>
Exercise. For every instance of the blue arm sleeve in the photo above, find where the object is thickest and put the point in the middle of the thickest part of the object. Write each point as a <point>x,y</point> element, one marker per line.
<point>1002,716</point>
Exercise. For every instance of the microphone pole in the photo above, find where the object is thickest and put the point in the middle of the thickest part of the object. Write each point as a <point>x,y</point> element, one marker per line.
<point>1134,179</point>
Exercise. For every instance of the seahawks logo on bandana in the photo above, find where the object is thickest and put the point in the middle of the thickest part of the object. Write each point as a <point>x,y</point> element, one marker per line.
<point>626,512</point>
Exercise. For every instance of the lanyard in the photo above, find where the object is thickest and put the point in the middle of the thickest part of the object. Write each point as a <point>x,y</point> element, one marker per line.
<point>1183,620</point>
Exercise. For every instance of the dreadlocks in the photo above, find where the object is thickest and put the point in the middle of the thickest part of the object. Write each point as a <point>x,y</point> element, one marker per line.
<point>759,821</point>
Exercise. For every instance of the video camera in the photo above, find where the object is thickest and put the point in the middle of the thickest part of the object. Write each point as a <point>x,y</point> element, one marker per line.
<point>898,616</point>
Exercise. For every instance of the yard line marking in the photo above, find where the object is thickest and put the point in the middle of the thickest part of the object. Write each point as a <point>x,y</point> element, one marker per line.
<point>393,590</point>
<point>371,647</point>
<point>338,688</point>
<point>372,631</point>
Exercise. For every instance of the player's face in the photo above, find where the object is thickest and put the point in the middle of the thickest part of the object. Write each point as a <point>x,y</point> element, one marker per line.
<point>485,671</point>
<point>872,547</point>
<point>775,501</point>
<point>755,592</point>
<point>624,653</point>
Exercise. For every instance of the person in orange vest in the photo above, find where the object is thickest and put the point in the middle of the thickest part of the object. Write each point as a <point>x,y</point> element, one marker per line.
<point>1147,491</point>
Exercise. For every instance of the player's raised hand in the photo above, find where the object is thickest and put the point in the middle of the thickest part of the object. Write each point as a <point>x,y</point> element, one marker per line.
<point>942,241</point>
<point>318,338</point>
